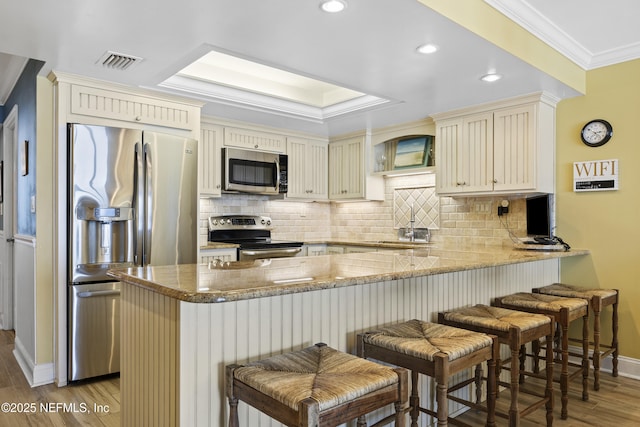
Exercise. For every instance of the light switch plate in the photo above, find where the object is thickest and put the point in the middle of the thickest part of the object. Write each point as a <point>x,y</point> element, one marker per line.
<point>33,204</point>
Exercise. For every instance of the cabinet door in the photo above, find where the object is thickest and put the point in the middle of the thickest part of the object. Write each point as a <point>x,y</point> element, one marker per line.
<point>254,140</point>
<point>464,155</point>
<point>317,170</point>
<point>346,169</point>
<point>112,104</point>
<point>307,169</point>
<point>209,160</point>
<point>448,135</point>
<point>514,149</point>
<point>475,155</point>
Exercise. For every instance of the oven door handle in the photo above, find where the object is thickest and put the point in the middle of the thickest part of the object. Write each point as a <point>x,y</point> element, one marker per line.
<point>271,251</point>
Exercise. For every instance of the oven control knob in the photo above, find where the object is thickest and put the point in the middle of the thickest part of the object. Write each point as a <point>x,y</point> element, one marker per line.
<point>214,221</point>
<point>268,222</point>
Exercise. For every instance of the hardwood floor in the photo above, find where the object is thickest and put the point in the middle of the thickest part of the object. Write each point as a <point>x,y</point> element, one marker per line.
<point>615,405</point>
<point>86,404</point>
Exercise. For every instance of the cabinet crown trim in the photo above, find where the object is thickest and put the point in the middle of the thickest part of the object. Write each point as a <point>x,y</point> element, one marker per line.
<point>543,97</point>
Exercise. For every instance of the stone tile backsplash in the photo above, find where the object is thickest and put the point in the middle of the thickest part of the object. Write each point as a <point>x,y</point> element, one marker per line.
<point>468,220</point>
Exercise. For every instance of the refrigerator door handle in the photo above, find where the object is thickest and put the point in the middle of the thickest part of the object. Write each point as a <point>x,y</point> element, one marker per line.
<point>148,196</point>
<point>89,294</point>
<point>139,195</point>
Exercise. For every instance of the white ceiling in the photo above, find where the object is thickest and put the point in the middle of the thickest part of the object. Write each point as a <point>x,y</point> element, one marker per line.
<point>370,48</point>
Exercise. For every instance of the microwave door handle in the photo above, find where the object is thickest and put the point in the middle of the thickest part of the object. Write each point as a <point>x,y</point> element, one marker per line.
<point>277,163</point>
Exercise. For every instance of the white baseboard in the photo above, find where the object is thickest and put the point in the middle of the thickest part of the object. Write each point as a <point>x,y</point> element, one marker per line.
<point>36,375</point>
<point>627,367</point>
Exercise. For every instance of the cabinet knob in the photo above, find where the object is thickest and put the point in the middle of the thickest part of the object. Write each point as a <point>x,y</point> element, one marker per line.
<point>138,118</point>
<point>255,146</point>
<point>495,181</point>
<point>459,184</point>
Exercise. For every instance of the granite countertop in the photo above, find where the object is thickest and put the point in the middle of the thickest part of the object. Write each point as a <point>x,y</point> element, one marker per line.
<point>219,245</point>
<point>220,282</point>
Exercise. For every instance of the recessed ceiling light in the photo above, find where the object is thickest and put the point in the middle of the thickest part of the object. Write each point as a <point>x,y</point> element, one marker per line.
<point>492,77</point>
<point>427,48</point>
<point>333,6</point>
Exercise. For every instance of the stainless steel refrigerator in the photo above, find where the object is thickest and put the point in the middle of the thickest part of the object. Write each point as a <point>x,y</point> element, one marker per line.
<point>132,202</point>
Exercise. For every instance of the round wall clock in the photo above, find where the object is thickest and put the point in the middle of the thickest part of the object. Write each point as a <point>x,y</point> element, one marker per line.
<point>596,133</point>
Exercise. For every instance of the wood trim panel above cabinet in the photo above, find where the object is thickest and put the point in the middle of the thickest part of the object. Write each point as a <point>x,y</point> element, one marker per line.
<point>115,105</point>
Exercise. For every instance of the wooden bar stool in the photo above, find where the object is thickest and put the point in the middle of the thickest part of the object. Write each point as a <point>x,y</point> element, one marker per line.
<point>515,329</point>
<point>598,299</point>
<point>317,387</point>
<point>437,351</point>
<point>564,311</point>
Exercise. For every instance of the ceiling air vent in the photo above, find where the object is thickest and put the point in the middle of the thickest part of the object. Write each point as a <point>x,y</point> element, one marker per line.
<point>118,61</point>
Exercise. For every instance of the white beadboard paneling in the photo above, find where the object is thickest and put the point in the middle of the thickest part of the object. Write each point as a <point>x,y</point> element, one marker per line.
<point>211,336</point>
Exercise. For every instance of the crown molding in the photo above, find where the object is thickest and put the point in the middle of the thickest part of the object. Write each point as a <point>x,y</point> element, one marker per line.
<point>259,102</point>
<point>523,14</point>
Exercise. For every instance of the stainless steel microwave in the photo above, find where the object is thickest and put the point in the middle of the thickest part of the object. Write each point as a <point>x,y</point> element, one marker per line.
<point>250,171</point>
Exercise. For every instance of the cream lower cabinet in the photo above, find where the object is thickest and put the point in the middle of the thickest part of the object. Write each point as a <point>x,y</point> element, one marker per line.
<point>493,150</point>
<point>307,169</point>
<point>348,176</point>
<point>209,160</point>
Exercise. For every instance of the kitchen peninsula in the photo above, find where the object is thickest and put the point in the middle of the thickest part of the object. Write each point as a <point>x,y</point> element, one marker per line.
<point>181,325</point>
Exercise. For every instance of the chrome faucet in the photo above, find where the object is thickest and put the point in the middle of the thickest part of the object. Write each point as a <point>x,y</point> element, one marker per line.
<point>411,234</point>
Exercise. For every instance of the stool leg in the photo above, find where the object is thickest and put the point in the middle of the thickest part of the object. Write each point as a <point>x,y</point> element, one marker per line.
<point>362,421</point>
<point>585,357</point>
<point>233,400</point>
<point>514,413</point>
<point>596,342</point>
<point>523,359</point>
<point>564,373</point>
<point>478,378</point>
<point>535,347</point>
<point>492,386</point>
<point>549,386</point>
<point>415,399</point>
<point>233,412</point>
<point>443,404</point>
<point>442,377</point>
<point>614,341</point>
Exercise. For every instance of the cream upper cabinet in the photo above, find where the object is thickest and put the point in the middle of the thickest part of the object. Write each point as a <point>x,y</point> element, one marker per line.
<point>514,147</point>
<point>348,175</point>
<point>254,140</point>
<point>307,169</point>
<point>209,159</point>
<point>124,106</point>
<point>493,150</point>
<point>464,156</point>
<point>346,169</point>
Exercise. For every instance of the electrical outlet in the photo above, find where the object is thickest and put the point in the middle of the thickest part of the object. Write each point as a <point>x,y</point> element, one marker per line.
<point>503,207</point>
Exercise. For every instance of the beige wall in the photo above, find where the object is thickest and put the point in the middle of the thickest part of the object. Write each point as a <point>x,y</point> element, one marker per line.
<point>607,222</point>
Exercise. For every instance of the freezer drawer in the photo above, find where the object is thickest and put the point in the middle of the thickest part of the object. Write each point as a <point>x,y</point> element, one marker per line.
<point>94,330</point>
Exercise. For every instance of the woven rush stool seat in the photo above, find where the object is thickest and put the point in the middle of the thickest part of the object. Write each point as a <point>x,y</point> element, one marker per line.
<point>564,311</point>
<point>437,351</point>
<point>317,387</point>
<point>598,299</point>
<point>515,329</point>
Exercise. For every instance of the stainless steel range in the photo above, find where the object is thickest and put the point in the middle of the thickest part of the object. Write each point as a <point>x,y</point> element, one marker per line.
<point>253,234</point>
